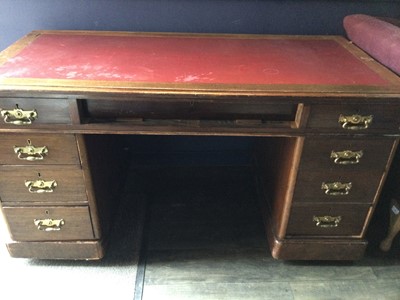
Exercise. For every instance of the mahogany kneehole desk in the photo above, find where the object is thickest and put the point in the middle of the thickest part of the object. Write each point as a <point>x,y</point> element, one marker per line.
<point>326,116</point>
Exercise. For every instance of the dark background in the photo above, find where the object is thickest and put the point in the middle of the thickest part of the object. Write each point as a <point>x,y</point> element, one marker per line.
<point>18,17</point>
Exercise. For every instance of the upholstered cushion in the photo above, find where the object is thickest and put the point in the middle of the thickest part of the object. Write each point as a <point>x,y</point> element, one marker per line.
<point>379,38</point>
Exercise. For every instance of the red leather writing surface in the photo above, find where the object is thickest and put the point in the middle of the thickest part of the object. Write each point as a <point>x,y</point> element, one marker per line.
<point>175,59</point>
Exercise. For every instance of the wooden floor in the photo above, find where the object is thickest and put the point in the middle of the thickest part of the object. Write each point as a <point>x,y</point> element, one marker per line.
<point>204,239</point>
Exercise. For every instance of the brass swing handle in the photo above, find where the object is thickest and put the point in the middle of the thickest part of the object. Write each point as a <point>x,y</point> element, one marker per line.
<point>346,157</point>
<point>49,224</point>
<point>355,122</point>
<point>327,221</point>
<point>18,116</point>
<point>336,188</point>
<point>41,186</point>
<point>30,152</point>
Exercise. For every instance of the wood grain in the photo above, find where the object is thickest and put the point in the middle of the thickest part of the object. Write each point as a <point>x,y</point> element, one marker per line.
<point>62,149</point>
<point>78,225</point>
<point>70,184</point>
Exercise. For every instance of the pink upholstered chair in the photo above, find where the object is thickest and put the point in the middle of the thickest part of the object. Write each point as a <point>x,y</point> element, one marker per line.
<point>380,38</point>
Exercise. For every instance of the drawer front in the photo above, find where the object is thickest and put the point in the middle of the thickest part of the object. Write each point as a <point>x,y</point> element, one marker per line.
<point>328,116</point>
<point>218,109</point>
<point>35,149</point>
<point>346,154</point>
<point>23,184</point>
<point>327,220</point>
<point>327,174</point>
<point>319,186</point>
<point>49,223</point>
<point>32,111</point>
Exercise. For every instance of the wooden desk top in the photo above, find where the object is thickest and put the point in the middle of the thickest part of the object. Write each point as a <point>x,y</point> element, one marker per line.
<point>132,62</point>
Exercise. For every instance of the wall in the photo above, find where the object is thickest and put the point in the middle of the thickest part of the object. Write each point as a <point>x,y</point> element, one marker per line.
<point>18,17</point>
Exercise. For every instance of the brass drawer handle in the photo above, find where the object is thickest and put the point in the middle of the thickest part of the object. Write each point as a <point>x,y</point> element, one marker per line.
<point>18,116</point>
<point>49,224</point>
<point>327,221</point>
<point>355,122</point>
<point>346,157</point>
<point>336,188</point>
<point>41,186</point>
<point>30,152</point>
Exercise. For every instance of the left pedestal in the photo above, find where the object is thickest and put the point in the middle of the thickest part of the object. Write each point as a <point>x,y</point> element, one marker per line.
<point>48,198</point>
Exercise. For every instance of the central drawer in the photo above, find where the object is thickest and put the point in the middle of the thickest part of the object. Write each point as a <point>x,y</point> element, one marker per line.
<point>191,109</point>
<point>42,184</point>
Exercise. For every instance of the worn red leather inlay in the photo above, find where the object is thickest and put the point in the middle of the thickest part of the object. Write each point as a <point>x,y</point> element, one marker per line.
<point>172,59</point>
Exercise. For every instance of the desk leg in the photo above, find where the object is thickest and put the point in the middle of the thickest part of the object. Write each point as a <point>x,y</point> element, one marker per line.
<point>394,226</point>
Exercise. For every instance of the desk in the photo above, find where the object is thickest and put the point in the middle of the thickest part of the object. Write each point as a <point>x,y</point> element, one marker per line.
<point>326,116</point>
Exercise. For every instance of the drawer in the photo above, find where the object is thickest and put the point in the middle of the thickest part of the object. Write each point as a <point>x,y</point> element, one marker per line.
<point>362,189</point>
<point>327,220</point>
<point>35,149</point>
<point>31,111</point>
<point>23,184</point>
<point>164,108</point>
<point>346,154</point>
<point>49,223</point>
<point>384,117</point>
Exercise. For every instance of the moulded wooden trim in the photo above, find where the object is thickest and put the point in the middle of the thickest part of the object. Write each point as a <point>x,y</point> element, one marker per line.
<point>88,250</point>
<point>317,249</point>
<point>131,87</point>
<point>18,46</point>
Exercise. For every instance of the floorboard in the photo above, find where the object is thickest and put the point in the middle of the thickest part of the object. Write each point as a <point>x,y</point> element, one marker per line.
<point>206,240</point>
